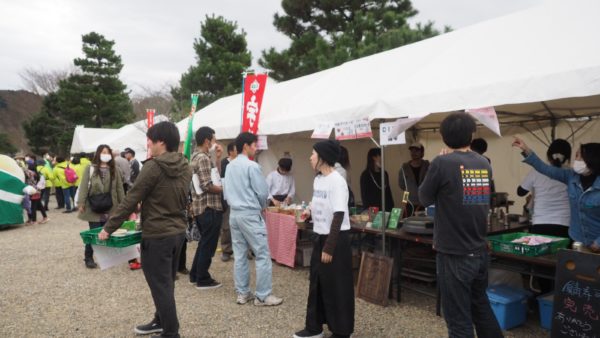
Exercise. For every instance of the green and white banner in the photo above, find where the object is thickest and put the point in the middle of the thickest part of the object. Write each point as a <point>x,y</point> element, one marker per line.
<point>11,196</point>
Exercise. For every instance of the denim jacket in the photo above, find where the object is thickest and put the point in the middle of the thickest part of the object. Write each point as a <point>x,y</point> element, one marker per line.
<point>585,205</point>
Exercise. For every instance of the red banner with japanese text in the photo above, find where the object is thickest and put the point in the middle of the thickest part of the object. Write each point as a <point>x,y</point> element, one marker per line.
<point>254,88</point>
<point>150,123</point>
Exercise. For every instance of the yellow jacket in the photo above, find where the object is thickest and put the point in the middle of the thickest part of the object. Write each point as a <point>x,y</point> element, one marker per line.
<point>48,175</point>
<point>59,174</point>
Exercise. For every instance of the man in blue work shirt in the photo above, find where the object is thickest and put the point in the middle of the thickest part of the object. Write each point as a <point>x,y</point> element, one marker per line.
<point>246,193</point>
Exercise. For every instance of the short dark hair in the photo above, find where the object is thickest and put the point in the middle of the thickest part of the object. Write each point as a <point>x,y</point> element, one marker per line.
<point>590,152</point>
<point>129,150</point>
<point>166,132</point>
<point>230,147</point>
<point>457,130</point>
<point>244,138</point>
<point>204,133</point>
<point>559,147</point>
<point>285,163</point>
<point>479,145</point>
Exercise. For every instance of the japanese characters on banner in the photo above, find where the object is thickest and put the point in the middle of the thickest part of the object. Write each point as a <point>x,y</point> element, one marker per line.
<point>387,135</point>
<point>487,116</point>
<point>254,88</point>
<point>348,130</point>
<point>150,123</point>
<point>323,130</point>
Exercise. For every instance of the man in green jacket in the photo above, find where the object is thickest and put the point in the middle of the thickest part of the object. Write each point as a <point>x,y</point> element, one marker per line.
<point>45,169</point>
<point>162,187</point>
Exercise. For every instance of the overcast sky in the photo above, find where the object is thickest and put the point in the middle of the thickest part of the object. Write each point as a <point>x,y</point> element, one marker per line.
<point>155,38</point>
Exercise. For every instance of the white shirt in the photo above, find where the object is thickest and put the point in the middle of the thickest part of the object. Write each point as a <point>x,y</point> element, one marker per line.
<point>330,194</point>
<point>550,199</point>
<point>281,184</point>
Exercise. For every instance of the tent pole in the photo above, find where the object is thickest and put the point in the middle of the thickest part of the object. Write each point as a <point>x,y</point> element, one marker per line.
<point>383,220</point>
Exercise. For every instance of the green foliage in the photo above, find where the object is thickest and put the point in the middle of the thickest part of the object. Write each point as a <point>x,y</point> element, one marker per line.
<point>93,96</point>
<point>6,147</point>
<point>222,55</point>
<point>327,33</point>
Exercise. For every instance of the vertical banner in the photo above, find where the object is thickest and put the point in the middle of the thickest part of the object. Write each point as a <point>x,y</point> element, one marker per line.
<point>187,146</point>
<point>150,123</point>
<point>487,116</point>
<point>254,88</point>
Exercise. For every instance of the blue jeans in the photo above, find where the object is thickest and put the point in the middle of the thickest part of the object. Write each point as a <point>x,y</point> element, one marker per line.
<point>249,231</point>
<point>209,224</point>
<point>463,280</point>
<point>68,193</point>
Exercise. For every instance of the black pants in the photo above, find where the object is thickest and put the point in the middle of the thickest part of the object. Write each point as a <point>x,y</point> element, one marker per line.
<point>331,289</point>
<point>182,255</point>
<point>160,257</point>
<point>45,198</point>
<point>89,252</point>
<point>209,224</point>
<point>60,198</point>
<point>35,206</point>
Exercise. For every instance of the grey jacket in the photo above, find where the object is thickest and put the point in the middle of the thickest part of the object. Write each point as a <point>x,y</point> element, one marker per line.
<point>410,184</point>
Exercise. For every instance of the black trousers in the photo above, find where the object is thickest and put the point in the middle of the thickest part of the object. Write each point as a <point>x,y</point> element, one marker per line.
<point>60,198</point>
<point>331,289</point>
<point>182,256</point>
<point>35,206</point>
<point>45,198</point>
<point>160,258</point>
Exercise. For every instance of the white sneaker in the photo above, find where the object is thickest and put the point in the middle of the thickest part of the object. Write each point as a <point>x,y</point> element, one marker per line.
<point>269,301</point>
<point>243,299</point>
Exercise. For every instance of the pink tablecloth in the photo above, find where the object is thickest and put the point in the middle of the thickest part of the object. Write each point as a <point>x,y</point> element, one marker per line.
<point>282,232</point>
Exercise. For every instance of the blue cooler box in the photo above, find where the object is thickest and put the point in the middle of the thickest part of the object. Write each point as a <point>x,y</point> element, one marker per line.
<point>545,302</point>
<point>509,305</point>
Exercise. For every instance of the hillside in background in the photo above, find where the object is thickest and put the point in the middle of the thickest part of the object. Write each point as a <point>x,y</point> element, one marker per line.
<point>15,108</point>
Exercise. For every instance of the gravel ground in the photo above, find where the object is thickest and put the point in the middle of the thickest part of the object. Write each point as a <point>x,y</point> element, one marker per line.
<point>46,291</point>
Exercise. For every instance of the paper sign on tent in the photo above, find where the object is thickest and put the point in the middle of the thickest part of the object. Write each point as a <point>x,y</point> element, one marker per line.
<point>261,142</point>
<point>386,136</point>
<point>362,128</point>
<point>323,130</point>
<point>345,130</point>
<point>488,117</point>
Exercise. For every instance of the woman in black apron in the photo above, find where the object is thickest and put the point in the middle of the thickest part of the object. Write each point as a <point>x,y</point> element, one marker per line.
<point>331,290</point>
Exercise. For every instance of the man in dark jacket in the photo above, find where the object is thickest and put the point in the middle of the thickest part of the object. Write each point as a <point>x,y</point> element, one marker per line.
<point>162,188</point>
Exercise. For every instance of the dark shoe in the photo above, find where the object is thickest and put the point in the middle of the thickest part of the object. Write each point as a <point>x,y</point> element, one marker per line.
<point>213,284</point>
<point>333,335</point>
<point>59,208</point>
<point>225,257</point>
<point>152,327</point>
<point>68,211</point>
<point>308,334</point>
<point>90,264</point>
<point>184,271</point>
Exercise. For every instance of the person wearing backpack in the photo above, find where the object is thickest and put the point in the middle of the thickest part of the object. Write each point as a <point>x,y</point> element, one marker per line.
<point>66,178</point>
<point>100,192</point>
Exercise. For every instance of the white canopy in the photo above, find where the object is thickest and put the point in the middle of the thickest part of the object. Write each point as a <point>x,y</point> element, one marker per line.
<point>549,52</point>
<point>129,136</point>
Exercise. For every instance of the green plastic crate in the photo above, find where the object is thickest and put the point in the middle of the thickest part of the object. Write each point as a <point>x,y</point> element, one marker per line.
<point>503,243</point>
<point>91,237</point>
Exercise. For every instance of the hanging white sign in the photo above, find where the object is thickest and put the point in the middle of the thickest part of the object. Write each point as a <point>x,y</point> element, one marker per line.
<point>488,117</point>
<point>387,135</point>
<point>323,130</point>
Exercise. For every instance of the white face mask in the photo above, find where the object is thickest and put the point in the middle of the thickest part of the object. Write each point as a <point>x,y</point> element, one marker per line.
<point>105,158</point>
<point>580,167</point>
<point>213,147</point>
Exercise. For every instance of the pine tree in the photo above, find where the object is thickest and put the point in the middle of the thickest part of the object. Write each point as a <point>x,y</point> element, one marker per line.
<point>222,55</point>
<point>327,33</point>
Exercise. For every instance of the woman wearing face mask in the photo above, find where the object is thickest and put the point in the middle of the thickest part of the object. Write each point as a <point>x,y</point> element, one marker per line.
<point>100,177</point>
<point>583,188</point>
<point>370,183</point>
<point>331,289</point>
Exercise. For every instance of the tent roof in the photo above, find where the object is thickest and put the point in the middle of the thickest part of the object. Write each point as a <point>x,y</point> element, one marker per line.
<point>515,63</point>
<point>85,139</point>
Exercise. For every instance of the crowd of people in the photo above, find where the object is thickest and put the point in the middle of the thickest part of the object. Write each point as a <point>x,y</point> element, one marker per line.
<point>224,196</point>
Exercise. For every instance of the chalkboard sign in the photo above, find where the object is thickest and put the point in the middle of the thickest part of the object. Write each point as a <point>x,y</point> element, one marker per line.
<point>576,310</point>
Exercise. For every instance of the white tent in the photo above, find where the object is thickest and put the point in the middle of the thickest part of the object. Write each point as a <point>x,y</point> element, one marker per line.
<point>544,53</point>
<point>132,135</point>
<point>86,139</point>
